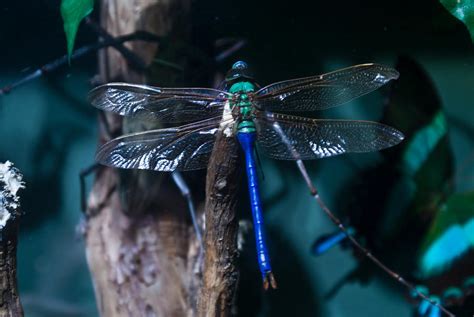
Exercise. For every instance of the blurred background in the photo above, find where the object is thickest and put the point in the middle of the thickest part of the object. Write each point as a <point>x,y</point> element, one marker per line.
<point>50,133</point>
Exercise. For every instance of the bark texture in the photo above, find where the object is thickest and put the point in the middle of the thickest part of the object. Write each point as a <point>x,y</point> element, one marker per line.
<point>220,277</point>
<point>10,183</point>
<point>140,246</point>
<point>10,305</point>
<point>142,265</point>
<point>162,17</point>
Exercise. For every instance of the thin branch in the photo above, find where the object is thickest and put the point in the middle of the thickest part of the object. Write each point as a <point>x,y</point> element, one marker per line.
<point>80,52</point>
<point>339,224</point>
<point>133,59</point>
<point>235,45</point>
<point>82,183</point>
<point>186,192</point>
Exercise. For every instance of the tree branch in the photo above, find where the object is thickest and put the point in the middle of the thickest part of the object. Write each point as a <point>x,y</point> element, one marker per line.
<point>133,59</point>
<point>80,52</point>
<point>10,183</point>
<point>141,247</point>
<point>220,276</point>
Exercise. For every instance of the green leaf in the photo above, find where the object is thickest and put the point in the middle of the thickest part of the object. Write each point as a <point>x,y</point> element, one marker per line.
<point>73,11</point>
<point>422,144</point>
<point>425,158</point>
<point>463,10</point>
<point>450,236</point>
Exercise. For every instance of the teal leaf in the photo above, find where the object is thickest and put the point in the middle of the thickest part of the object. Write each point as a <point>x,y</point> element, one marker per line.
<point>450,236</point>
<point>416,111</point>
<point>422,144</point>
<point>425,158</point>
<point>463,10</point>
<point>73,11</point>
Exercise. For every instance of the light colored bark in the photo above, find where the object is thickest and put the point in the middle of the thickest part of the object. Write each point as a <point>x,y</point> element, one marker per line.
<point>140,245</point>
<point>10,183</point>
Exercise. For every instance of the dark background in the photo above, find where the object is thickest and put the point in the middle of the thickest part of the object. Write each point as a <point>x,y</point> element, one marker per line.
<point>49,132</point>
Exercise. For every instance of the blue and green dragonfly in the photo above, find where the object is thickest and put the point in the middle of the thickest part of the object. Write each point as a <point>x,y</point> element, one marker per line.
<point>243,110</point>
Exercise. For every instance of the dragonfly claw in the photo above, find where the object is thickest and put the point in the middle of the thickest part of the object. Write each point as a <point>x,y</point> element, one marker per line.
<point>269,281</point>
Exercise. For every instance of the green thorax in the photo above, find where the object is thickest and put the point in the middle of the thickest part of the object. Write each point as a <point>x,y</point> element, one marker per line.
<point>241,89</point>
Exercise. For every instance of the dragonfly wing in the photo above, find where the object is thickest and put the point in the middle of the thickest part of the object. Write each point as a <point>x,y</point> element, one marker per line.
<point>165,104</point>
<point>323,91</point>
<point>314,138</point>
<point>183,148</point>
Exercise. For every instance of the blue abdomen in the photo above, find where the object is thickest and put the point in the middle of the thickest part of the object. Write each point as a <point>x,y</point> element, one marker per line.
<point>247,141</point>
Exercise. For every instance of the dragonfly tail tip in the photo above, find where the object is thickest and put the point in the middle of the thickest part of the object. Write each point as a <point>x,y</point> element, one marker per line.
<point>269,281</point>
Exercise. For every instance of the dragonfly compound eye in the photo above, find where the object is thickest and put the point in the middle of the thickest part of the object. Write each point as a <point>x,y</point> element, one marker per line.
<point>240,65</point>
<point>239,71</point>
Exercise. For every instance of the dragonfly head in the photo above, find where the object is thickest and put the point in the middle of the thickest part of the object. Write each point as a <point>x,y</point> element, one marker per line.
<point>240,65</point>
<point>239,71</point>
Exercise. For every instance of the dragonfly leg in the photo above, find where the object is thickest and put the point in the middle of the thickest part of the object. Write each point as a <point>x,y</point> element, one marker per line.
<point>247,141</point>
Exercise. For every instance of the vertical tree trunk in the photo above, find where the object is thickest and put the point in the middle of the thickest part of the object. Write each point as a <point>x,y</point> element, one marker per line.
<point>220,277</point>
<point>10,305</point>
<point>168,18</point>
<point>142,252</point>
<point>141,249</point>
<point>10,183</point>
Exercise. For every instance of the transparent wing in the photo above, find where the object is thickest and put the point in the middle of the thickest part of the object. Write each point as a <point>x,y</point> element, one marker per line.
<point>314,138</point>
<point>183,148</point>
<point>323,91</point>
<point>165,104</point>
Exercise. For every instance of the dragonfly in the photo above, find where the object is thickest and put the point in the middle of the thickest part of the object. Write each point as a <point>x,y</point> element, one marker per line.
<point>244,110</point>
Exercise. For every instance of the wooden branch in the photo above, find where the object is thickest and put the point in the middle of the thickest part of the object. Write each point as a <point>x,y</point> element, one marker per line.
<point>220,277</point>
<point>10,183</point>
<point>133,59</point>
<point>141,247</point>
<point>165,18</point>
<point>143,254</point>
<point>78,53</point>
<point>142,265</point>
